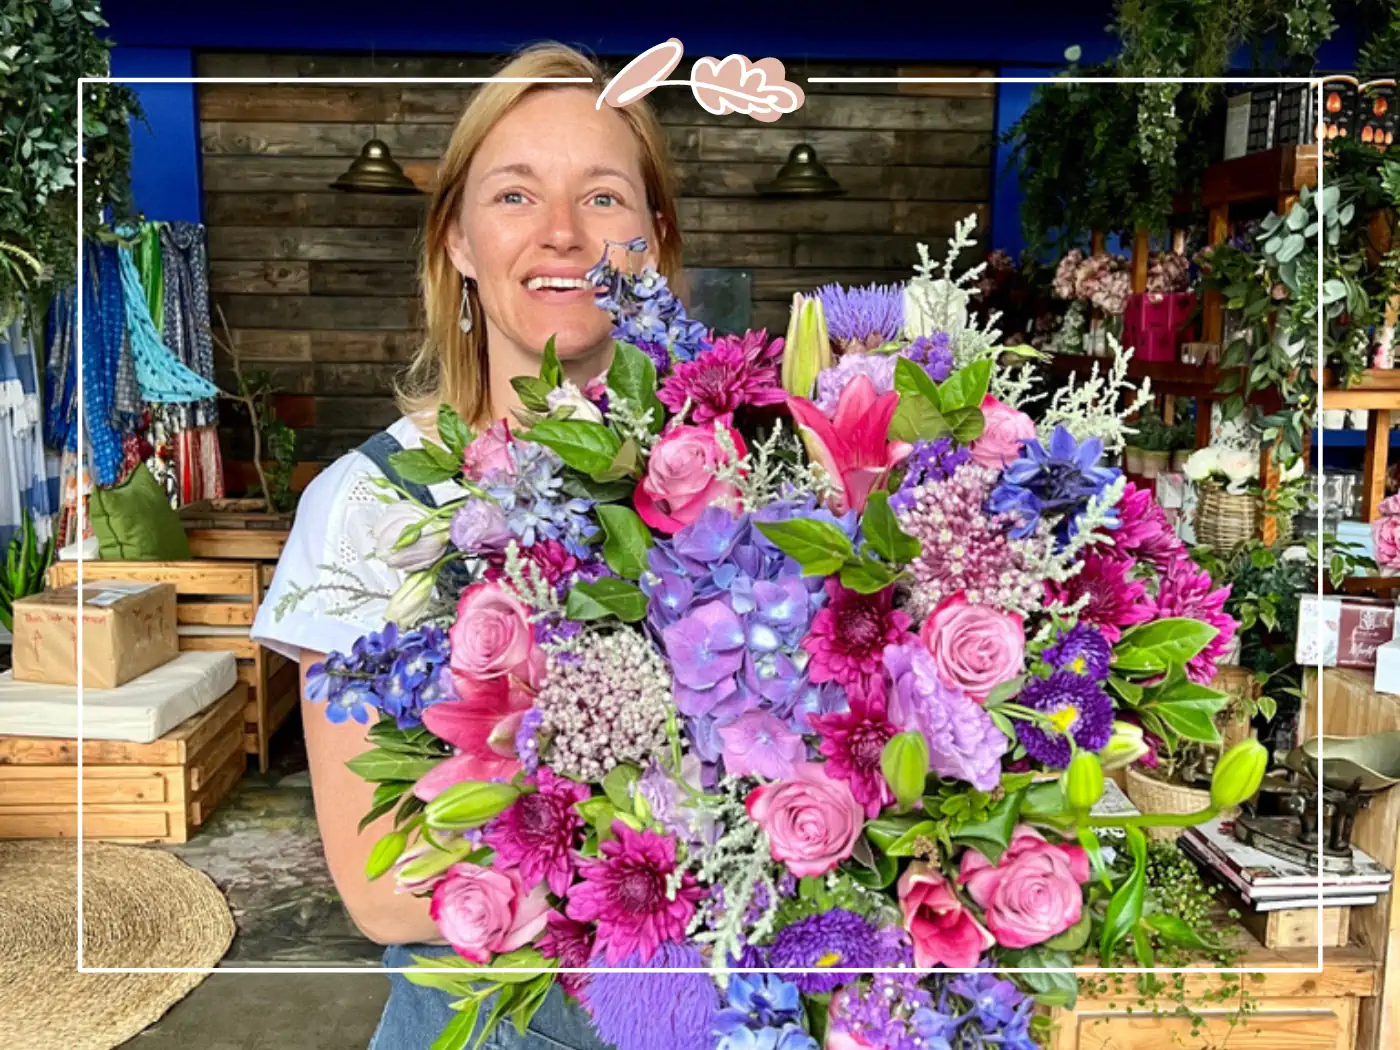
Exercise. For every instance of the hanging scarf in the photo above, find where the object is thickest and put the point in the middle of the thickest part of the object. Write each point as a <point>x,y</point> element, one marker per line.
<point>104,323</point>
<point>60,371</point>
<point>162,377</point>
<point>186,304</point>
<point>147,256</point>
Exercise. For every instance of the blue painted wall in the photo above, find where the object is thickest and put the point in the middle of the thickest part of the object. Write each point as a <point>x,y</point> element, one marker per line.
<point>165,147</point>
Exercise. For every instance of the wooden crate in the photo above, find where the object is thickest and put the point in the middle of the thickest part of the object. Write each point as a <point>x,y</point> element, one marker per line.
<point>156,792</point>
<point>217,602</point>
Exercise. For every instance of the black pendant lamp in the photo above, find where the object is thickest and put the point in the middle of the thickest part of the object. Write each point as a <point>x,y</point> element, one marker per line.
<point>802,176</point>
<point>375,171</point>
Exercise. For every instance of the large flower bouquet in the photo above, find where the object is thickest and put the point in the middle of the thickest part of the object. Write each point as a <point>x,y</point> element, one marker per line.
<point>759,664</point>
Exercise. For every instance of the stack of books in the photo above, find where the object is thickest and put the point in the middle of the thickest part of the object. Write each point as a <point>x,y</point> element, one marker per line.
<point>1268,883</point>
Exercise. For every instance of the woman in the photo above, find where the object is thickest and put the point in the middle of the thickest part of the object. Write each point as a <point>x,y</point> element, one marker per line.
<point>535,181</point>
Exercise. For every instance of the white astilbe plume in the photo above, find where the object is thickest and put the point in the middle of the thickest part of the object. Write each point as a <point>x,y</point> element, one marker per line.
<point>631,421</point>
<point>1091,409</point>
<point>935,300</point>
<point>768,472</point>
<point>1012,383</point>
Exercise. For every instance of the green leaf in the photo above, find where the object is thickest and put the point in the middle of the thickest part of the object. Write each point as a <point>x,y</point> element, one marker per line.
<point>600,491</point>
<point>904,845</point>
<point>1050,989</point>
<point>443,457</point>
<point>966,424</point>
<point>633,376</point>
<point>1090,842</point>
<point>818,546</point>
<point>453,430</point>
<point>885,831</point>
<point>1153,647</point>
<point>618,782</point>
<point>1174,931</point>
<point>606,597</point>
<point>990,837</point>
<point>532,392</point>
<point>627,464</point>
<point>867,575</point>
<point>459,1030</point>
<point>385,765</point>
<point>421,467</point>
<point>1075,937</point>
<point>917,419</point>
<point>587,447</point>
<point>626,540</point>
<point>1189,721</point>
<point>1125,906</point>
<point>1129,691</point>
<point>965,388</point>
<point>550,372</point>
<point>1005,691</point>
<point>909,378</point>
<point>883,533</point>
<point>882,874</point>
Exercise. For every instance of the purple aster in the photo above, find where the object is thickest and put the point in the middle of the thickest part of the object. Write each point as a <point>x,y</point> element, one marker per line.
<point>862,318</point>
<point>1082,650</point>
<point>963,741</point>
<point>932,353</point>
<point>930,461</point>
<point>1053,482</point>
<point>837,938</point>
<point>1076,706</point>
<point>655,1010</point>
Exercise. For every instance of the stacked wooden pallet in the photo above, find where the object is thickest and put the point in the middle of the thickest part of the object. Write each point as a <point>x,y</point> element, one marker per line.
<point>156,792</point>
<point>217,602</point>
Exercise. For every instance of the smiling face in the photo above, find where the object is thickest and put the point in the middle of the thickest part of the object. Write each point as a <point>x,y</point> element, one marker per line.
<point>552,181</point>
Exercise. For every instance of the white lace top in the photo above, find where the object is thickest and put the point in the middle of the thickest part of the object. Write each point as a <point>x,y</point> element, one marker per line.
<point>332,545</point>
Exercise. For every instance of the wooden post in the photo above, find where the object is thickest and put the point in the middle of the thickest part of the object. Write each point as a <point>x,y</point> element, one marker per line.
<point>1142,248</point>
<point>1179,241</point>
<point>1095,242</point>
<point>1377,458</point>
<point>1268,481</point>
<point>1212,308</point>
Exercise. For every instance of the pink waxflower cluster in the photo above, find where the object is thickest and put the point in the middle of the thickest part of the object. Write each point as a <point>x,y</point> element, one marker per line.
<point>966,550</point>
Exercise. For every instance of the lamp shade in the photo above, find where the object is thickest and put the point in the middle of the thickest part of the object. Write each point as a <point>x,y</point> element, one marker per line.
<point>375,171</point>
<point>802,176</point>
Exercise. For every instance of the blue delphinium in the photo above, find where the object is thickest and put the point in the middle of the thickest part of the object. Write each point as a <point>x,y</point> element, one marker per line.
<point>1055,482</point>
<point>729,610</point>
<point>535,504</point>
<point>764,1012</point>
<point>398,674</point>
<point>646,313</point>
<point>990,1011</point>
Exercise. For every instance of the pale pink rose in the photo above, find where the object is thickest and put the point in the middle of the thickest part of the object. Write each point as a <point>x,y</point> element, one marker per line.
<point>974,647</point>
<point>492,637</point>
<point>483,912</point>
<point>489,452</point>
<point>812,821</point>
<point>1032,893</point>
<point>1001,438</point>
<point>680,481</point>
<point>944,932</point>
<point>1385,533</point>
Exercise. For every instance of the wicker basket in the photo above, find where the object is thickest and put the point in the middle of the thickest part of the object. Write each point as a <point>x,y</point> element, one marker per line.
<point>1224,520</point>
<point>1151,795</point>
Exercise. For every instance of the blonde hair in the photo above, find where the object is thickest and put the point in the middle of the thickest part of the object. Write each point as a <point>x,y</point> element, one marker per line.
<point>450,365</point>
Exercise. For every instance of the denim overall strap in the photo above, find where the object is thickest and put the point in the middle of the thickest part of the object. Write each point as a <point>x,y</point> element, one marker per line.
<point>378,449</point>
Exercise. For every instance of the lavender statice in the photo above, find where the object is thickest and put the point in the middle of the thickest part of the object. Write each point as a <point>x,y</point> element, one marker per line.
<point>933,353</point>
<point>645,312</point>
<point>398,674</point>
<point>862,318</point>
<point>935,460</point>
<point>607,704</point>
<point>534,503</point>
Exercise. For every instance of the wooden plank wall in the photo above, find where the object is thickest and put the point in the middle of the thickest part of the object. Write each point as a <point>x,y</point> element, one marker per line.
<point>319,287</point>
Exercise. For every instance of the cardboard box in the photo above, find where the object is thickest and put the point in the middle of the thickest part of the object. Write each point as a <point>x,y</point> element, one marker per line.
<point>1343,632</point>
<point>128,628</point>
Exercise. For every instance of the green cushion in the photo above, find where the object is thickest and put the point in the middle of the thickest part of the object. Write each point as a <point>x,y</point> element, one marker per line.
<point>135,522</point>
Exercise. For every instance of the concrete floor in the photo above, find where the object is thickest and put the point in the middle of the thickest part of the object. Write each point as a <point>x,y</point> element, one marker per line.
<point>250,1011</point>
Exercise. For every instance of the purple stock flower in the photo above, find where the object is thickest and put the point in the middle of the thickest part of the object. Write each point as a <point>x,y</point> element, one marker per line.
<point>1076,706</point>
<point>932,353</point>
<point>878,368</point>
<point>479,525</point>
<point>930,461</point>
<point>963,742</point>
<point>1082,650</point>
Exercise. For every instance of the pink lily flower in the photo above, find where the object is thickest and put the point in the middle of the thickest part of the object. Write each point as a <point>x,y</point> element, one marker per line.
<point>481,725</point>
<point>853,446</point>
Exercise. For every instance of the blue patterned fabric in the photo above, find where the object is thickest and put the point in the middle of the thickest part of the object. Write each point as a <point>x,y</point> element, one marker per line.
<point>60,373</point>
<point>26,487</point>
<point>104,323</point>
<point>186,327</point>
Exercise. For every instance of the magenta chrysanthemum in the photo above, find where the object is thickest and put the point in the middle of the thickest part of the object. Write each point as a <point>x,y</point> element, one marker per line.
<point>625,893</point>
<point>1185,591</point>
<point>540,831</point>
<point>965,550</point>
<point>1115,601</point>
<point>852,742</point>
<point>848,637</point>
<point>737,370</point>
<point>1144,533</point>
<point>568,943</point>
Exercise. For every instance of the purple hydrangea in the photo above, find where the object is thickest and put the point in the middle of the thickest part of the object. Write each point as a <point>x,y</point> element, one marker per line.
<point>1082,650</point>
<point>1077,707</point>
<point>839,939</point>
<point>932,353</point>
<point>730,611</point>
<point>1054,482</point>
<point>963,742</point>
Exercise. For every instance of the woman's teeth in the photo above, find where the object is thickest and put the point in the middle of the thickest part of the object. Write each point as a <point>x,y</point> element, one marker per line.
<point>536,283</point>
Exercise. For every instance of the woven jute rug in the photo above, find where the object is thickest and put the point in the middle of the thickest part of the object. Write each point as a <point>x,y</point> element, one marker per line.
<point>141,908</point>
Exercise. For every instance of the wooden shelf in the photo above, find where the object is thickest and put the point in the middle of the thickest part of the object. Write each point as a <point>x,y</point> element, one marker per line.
<point>1266,176</point>
<point>1377,388</point>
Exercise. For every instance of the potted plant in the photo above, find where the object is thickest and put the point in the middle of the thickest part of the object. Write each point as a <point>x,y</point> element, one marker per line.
<point>1227,511</point>
<point>1149,453</point>
<point>1183,443</point>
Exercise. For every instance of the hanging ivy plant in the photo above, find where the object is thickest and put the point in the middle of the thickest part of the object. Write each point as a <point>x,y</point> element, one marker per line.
<point>56,42</point>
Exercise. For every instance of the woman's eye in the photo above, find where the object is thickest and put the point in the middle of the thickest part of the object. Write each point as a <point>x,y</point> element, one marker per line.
<point>608,200</point>
<point>511,197</point>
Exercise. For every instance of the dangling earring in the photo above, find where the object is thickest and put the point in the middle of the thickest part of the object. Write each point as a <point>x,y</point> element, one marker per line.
<point>464,313</point>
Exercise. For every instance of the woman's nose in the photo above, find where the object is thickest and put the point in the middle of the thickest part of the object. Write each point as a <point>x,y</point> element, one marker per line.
<point>563,231</point>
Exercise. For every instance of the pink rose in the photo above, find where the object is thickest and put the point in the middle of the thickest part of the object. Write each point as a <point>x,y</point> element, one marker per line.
<point>942,929</point>
<point>812,821</point>
<point>680,481</point>
<point>492,637</point>
<point>483,912</point>
<point>974,647</point>
<point>1032,893</point>
<point>1001,439</point>
<point>489,452</point>
<point>1385,533</point>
